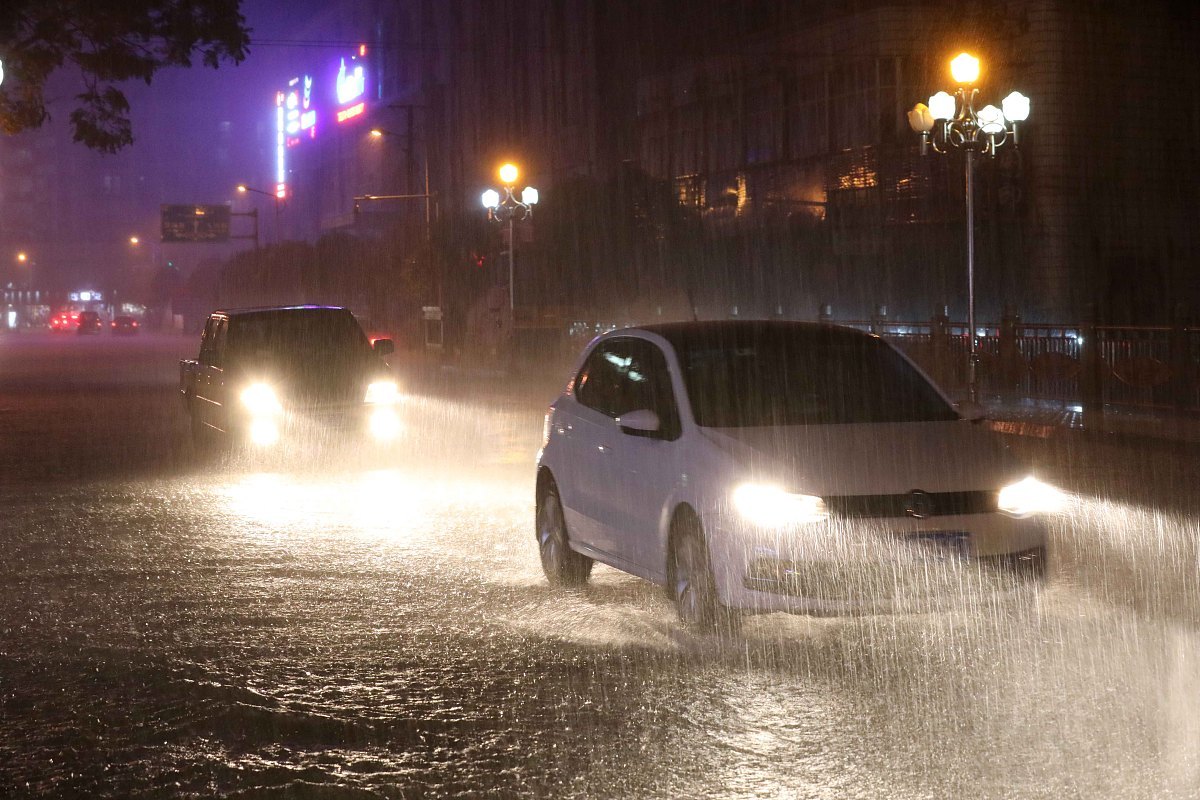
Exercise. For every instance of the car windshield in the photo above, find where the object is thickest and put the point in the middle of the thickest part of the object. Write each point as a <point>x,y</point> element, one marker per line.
<point>752,376</point>
<point>311,336</point>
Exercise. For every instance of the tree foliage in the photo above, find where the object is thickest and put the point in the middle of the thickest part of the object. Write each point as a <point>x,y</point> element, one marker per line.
<point>105,43</point>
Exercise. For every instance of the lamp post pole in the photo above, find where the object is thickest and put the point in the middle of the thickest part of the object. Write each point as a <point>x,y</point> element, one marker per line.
<point>243,189</point>
<point>950,122</point>
<point>972,341</point>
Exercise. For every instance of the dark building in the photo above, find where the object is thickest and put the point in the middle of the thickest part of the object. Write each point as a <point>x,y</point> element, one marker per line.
<point>791,141</point>
<point>777,134</point>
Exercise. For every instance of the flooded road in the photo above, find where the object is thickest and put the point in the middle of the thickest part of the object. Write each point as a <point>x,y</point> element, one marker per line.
<point>377,625</point>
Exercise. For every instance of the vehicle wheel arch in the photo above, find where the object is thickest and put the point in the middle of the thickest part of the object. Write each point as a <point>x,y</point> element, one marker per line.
<point>545,480</point>
<point>683,518</point>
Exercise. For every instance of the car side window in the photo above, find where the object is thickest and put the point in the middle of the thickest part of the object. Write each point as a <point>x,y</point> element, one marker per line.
<point>624,375</point>
<point>598,383</point>
<point>217,357</point>
<point>206,341</point>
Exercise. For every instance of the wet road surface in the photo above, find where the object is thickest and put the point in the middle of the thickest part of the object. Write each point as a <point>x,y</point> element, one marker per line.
<point>352,624</point>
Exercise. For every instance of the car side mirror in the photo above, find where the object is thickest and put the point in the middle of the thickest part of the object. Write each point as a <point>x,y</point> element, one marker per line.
<point>642,422</point>
<point>383,347</point>
<point>971,412</point>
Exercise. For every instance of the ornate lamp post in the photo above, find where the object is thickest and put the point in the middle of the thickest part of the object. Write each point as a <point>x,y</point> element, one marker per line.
<point>951,122</point>
<point>508,209</point>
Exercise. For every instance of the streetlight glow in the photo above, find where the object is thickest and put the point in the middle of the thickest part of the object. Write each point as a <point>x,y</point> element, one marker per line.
<point>241,187</point>
<point>134,240</point>
<point>376,133</point>
<point>508,174</point>
<point>490,198</point>
<point>529,196</point>
<point>22,257</point>
<point>965,69</point>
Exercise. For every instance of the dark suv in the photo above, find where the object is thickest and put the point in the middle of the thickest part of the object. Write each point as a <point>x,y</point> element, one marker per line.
<point>89,322</point>
<point>299,373</point>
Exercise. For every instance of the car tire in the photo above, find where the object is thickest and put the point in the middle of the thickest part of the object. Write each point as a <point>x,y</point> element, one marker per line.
<point>693,587</point>
<point>562,565</point>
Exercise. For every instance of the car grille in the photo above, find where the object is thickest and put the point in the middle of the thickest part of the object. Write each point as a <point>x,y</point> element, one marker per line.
<point>935,504</point>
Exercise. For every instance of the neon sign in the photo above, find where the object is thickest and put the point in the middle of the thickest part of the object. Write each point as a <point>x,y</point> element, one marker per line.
<point>280,146</point>
<point>351,112</point>
<point>350,85</point>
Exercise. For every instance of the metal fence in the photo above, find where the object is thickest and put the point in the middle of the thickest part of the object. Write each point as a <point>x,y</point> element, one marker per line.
<point>1148,367</point>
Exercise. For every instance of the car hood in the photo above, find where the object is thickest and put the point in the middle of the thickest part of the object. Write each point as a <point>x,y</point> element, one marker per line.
<point>877,458</point>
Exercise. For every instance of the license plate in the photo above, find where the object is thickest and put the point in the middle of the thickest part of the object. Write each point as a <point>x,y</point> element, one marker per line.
<point>943,545</point>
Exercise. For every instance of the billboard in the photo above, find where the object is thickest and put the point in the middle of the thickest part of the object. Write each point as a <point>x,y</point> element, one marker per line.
<point>181,223</point>
<point>309,102</point>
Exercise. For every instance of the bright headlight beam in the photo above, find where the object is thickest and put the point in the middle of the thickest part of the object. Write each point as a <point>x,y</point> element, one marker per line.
<point>379,392</point>
<point>260,400</point>
<point>1030,496</point>
<point>771,506</point>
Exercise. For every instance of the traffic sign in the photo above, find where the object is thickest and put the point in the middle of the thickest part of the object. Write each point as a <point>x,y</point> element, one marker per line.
<point>182,223</point>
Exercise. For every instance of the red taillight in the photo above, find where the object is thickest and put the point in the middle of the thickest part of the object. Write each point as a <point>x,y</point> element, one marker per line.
<point>114,324</point>
<point>135,323</point>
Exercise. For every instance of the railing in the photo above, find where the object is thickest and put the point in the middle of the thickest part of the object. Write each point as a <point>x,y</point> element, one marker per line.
<point>1150,367</point>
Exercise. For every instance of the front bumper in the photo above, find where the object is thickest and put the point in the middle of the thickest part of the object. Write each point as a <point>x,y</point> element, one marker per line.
<point>850,566</point>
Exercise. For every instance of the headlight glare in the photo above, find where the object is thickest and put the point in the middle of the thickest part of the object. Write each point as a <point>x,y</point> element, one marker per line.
<point>1030,496</point>
<point>380,392</point>
<point>260,400</point>
<point>771,506</point>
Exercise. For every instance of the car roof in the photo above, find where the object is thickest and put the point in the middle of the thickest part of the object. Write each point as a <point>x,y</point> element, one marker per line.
<point>678,332</point>
<point>236,312</point>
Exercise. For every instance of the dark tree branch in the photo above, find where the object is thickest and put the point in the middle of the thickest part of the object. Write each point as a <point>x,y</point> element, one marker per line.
<point>106,42</point>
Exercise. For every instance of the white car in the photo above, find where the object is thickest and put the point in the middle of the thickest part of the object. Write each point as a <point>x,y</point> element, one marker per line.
<point>777,466</point>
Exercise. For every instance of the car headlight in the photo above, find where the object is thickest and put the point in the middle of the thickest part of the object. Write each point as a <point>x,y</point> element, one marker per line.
<point>1030,496</point>
<point>260,400</point>
<point>380,392</point>
<point>771,506</point>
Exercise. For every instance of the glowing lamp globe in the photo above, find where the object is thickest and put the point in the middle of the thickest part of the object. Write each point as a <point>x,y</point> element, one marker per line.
<point>990,119</point>
<point>490,198</point>
<point>965,68</point>
<point>920,119</point>
<point>941,106</point>
<point>529,196</point>
<point>1016,107</point>
<point>508,174</point>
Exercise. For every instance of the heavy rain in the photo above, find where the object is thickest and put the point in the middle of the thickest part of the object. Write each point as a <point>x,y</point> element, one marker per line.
<point>880,481</point>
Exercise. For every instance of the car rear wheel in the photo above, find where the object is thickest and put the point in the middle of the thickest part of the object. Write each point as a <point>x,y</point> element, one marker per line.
<point>694,588</point>
<point>562,565</point>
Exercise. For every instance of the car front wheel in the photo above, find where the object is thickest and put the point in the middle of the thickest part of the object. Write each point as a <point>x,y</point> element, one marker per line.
<point>694,588</point>
<point>562,565</point>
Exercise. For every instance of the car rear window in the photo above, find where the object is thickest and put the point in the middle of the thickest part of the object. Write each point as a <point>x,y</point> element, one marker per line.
<point>780,375</point>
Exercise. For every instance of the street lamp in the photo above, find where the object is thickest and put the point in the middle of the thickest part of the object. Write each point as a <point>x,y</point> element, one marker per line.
<point>508,209</point>
<point>243,189</point>
<point>951,122</point>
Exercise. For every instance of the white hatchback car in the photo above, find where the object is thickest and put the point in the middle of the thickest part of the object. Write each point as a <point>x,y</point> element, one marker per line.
<point>777,466</point>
